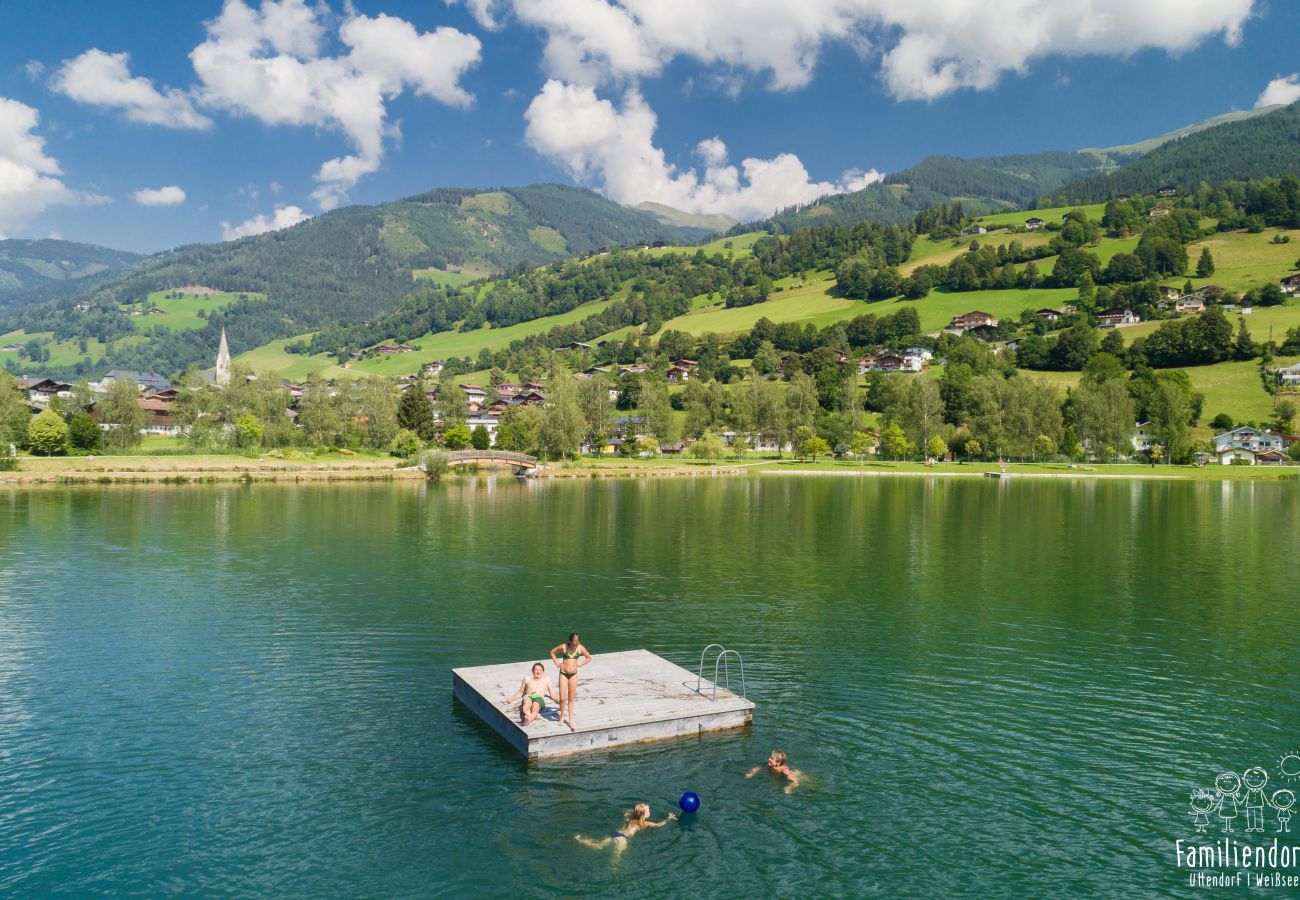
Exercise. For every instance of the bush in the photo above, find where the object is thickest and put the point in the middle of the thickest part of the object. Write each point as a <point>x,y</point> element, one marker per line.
<point>436,464</point>
<point>47,433</point>
<point>406,443</point>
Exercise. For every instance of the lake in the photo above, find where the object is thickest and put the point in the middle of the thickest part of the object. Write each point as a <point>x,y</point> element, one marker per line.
<point>992,688</point>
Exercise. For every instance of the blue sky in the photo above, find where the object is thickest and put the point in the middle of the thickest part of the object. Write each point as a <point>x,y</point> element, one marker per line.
<point>146,126</point>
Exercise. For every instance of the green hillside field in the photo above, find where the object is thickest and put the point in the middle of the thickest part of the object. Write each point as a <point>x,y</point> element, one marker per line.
<point>468,343</point>
<point>446,278</point>
<point>181,314</point>
<point>62,353</point>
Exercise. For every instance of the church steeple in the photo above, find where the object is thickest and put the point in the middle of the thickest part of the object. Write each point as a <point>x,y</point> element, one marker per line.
<point>223,361</point>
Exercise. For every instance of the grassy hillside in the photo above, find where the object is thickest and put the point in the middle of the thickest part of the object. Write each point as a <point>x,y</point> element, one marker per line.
<point>715,223</point>
<point>443,277</point>
<point>181,313</point>
<point>62,353</point>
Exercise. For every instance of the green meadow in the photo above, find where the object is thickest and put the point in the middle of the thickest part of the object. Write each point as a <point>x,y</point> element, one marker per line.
<point>444,277</point>
<point>62,353</point>
<point>183,313</point>
<point>468,343</point>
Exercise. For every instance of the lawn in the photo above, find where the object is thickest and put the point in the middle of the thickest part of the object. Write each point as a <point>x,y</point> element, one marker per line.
<point>1046,468</point>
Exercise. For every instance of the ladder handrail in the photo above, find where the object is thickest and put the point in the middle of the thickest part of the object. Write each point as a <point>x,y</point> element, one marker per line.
<point>699,676</point>
<point>724,659</point>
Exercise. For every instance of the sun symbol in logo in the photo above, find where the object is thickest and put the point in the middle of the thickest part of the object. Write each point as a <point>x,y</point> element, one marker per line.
<point>1290,766</point>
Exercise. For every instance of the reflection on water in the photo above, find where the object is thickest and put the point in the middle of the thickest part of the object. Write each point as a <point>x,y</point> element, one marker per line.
<point>994,688</point>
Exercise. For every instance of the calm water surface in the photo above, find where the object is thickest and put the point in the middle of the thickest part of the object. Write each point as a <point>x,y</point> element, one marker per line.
<point>995,689</point>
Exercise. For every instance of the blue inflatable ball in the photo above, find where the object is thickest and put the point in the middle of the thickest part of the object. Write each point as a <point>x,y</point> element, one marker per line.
<point>689,802</point>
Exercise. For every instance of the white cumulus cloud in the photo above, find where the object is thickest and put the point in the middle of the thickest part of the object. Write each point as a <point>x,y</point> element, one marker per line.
<point>171,195</point>
<point>104,79</point>
<point>928,48</point>
<point>612,148</point>
<point>1283,89</point>
<point>283,217</point>
<point>29,179</point>
<point>269,64</point>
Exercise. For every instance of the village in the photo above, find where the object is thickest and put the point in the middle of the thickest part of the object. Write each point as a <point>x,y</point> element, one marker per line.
<point>475,416</point>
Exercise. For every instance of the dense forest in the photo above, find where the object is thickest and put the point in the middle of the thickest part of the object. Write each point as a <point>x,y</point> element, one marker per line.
<point>983,185</point>
<point>33,272</point>
<point>1266,146</point>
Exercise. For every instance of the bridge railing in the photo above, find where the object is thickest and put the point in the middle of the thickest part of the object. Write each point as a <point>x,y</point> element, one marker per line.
<point>505,456</point>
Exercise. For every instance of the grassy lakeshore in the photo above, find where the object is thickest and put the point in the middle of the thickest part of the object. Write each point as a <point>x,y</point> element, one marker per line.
<point>183,468</point>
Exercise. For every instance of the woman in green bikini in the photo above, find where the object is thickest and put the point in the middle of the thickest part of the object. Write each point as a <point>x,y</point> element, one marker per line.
<point>566,657</point>
<point>534,690</point>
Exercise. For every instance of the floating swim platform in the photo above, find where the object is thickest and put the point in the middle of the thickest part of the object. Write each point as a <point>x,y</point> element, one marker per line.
<point>623,698</point>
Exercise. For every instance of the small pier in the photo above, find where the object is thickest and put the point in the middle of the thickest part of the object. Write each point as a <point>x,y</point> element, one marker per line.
<point>623,698</point>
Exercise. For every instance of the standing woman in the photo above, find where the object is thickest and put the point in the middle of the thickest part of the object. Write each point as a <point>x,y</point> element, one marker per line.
<point>567,660</point>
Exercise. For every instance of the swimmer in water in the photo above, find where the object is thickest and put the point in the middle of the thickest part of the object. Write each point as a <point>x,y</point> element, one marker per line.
<point>779,764</point>
<point>635,819</point>
<point>566,657</point>
<point>534,689</point>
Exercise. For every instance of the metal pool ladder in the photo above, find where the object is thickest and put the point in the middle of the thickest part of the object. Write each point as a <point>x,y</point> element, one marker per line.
<point>722,659</point>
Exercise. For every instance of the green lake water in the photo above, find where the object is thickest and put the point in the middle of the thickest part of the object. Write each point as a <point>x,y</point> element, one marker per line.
<point>993,689</point>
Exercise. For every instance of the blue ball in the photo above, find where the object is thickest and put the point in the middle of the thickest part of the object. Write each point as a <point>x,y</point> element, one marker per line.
<point>689,802</point>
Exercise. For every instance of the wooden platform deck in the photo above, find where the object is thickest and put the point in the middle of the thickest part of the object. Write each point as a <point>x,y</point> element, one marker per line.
<point>623,698</point>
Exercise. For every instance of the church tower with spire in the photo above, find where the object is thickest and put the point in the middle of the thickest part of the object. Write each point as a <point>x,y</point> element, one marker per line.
<point>223,361</point>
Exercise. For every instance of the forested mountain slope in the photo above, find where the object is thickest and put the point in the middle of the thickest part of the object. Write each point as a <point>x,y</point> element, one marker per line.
<point>33,271</point>
<point>347,265</point>
<point>1266,146</point>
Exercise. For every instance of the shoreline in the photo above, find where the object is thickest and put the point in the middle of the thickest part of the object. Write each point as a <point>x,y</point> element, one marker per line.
<point>1000,476</point>
<point>199,469</point>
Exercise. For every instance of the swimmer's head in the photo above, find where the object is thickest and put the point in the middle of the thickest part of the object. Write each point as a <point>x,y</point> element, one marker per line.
<point>538,669</point>
<point>574,638</point>
<point>777,759</point>
<point>638,813</point>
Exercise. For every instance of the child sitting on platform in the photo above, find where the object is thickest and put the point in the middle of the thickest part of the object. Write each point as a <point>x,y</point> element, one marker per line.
<point>534,690</point>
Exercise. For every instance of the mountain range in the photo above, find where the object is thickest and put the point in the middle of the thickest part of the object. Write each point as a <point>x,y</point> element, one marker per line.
<point>34,271</point>
<point>356,263</point>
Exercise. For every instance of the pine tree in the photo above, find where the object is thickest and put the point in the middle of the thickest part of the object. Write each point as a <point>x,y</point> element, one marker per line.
<point>1205,265</point>
<point>415,413</point>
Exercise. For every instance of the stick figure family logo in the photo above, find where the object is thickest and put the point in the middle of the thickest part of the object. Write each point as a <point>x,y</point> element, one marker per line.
<point>1232,794</point>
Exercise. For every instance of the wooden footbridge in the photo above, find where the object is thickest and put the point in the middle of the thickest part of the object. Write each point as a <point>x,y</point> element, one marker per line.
<point>522,463</point>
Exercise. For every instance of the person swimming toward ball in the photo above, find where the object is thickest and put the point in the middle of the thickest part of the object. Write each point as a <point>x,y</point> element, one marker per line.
<point>566,657</point>
<point>779,764</point>
<point>534,690</point>
<point>635,819</point>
